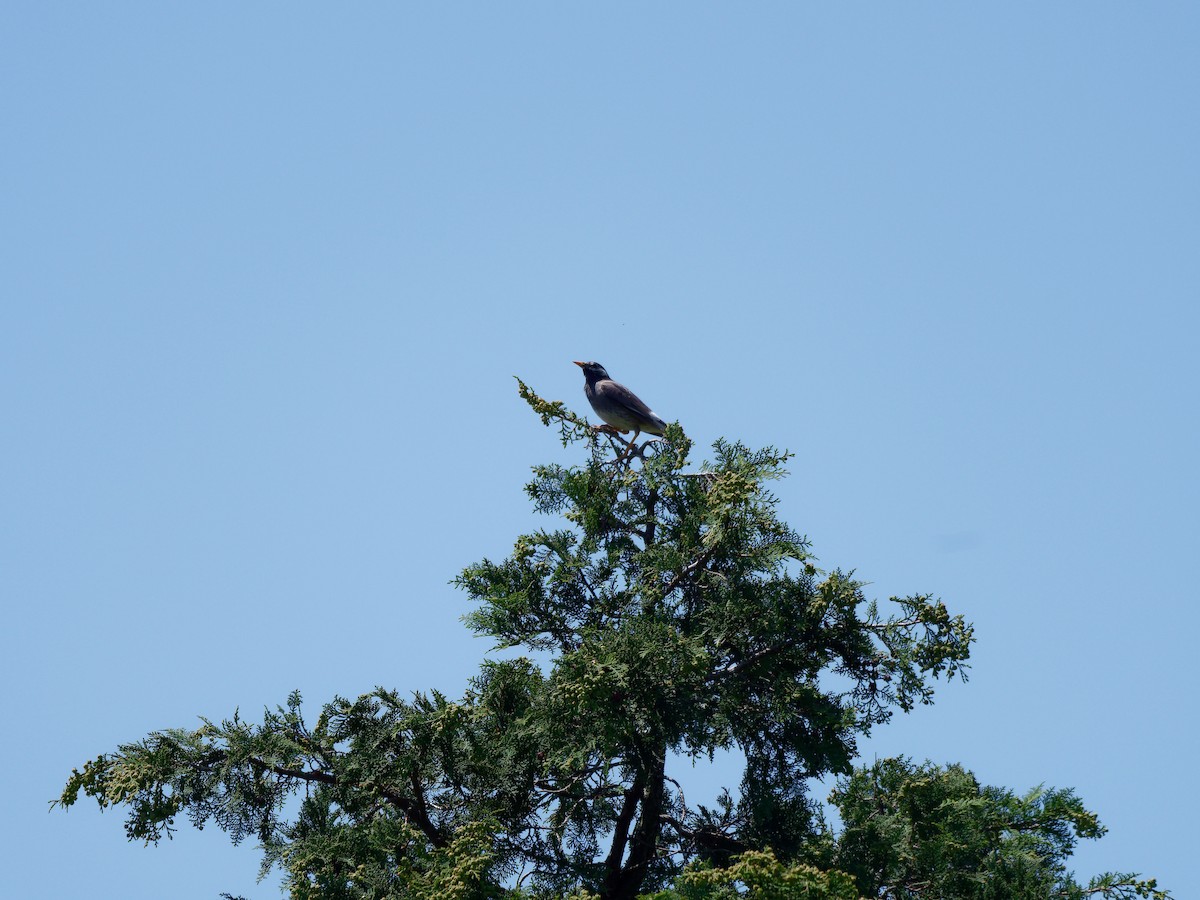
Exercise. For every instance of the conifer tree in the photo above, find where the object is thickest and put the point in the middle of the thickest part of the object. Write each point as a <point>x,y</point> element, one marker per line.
<point>676,616</point>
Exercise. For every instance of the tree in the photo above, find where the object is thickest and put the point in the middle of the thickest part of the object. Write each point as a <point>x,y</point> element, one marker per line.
<point>678,616</point>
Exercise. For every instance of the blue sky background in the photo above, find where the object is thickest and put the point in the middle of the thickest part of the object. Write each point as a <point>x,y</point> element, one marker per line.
<point>268,271</point>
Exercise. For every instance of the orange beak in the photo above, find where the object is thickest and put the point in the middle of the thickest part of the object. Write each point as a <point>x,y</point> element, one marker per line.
<point>578,363</point>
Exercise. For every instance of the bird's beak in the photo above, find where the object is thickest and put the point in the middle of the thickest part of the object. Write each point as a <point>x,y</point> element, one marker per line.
<point>578,363</point>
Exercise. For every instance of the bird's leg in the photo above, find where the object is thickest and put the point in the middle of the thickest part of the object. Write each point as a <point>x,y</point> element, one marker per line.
<point>630,446</point>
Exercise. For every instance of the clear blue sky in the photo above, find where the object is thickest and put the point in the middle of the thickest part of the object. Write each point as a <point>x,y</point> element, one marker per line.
<point>268,271</point>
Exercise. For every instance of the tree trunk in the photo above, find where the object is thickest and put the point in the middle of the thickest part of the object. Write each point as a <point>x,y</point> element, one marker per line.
<point>624,882</point>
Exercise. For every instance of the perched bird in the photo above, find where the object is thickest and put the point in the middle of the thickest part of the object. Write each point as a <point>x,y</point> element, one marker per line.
<point>617,405</point>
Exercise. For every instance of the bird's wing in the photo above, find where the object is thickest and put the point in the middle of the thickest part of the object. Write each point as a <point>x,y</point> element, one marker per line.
<point>618,393</point>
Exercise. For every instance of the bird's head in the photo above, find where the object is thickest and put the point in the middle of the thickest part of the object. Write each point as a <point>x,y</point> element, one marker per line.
<point>592,371</point>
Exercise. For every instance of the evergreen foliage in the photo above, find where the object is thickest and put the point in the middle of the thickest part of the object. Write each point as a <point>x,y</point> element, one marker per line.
<point>928,831</point>
<point>678,617</point>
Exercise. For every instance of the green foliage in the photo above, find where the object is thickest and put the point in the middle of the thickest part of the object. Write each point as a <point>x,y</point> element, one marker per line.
<point>758,875</point>
<point>928,831</point>
<point>368,823</point>
<point>678,616</point>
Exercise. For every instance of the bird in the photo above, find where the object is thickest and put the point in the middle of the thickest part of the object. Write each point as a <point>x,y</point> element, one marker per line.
<point>617,405</point>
